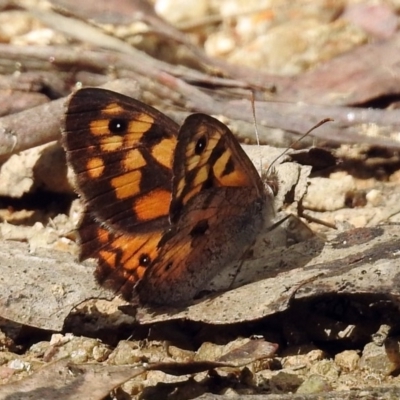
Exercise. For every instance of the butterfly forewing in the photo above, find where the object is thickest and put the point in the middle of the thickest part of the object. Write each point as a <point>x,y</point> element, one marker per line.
<point>121,152</point>
<point>208,155</point>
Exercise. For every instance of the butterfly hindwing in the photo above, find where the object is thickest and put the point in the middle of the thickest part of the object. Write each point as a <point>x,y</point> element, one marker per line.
<point>122,258</point>
<point>191,254</point>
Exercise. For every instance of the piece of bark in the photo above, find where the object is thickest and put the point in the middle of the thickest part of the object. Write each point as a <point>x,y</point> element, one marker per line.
<point>16,101</point>
<point>348,126</point>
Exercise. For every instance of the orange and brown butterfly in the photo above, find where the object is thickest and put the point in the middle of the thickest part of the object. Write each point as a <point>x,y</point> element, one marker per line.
<point>166,208</point>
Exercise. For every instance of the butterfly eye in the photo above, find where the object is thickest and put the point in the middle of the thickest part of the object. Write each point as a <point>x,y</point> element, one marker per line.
<point>144,260</point>
<point>118,126</point>
<point>200,145</point>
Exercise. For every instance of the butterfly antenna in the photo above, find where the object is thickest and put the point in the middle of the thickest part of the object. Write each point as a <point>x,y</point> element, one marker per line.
<point>325,120</point>
<point>253,109</point>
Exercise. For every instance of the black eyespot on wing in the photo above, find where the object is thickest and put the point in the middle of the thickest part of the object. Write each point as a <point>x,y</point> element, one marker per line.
<point>118,126</point>
<point>200,145</point>
<point>144,260</point>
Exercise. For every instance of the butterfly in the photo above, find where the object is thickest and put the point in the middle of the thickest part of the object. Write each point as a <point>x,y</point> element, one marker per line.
<point>166,207</point>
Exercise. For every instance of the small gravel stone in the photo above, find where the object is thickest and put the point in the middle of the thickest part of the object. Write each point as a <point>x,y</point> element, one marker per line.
<point>375,358</point>
<point>79,356</point>
<point>327,369</point>
<point>285,382</point>
<point>19,365</point>
<point>328,194</point>
<point>303,360</point>
<point>347,360</point>
<point>374,197</point>
<point>314,384</point>
<point>176,11</point>
<point>124,354</point>
<point>100,353</point>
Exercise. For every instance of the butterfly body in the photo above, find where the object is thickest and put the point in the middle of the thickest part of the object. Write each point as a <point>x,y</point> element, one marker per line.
<point>166,208</point>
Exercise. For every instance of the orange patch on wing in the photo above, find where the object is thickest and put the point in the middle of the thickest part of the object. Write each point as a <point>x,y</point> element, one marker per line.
<point>113,109</point>
<point>152,205</point>
<point>99,127</point>
<point>133,159</point>
<point>111,143</point>
<point>220,163</point>
<point>141,124</point>
<point>95,167</point>
<point>192,157</point>
<point>212,142</point>
<point>235,178</point>
<point>189,195</point>
<point>180,187</point>
<point>201,176</point>
<point>133,135</point>
<point>195,187</point>
<point>109,257</point>
<point>163,152</point>
<point>134,248</point>
<point>102,235</point>
<point>127,185</point>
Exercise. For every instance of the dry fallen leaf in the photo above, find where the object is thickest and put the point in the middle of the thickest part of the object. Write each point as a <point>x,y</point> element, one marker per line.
<point>364,260</point>
<point>42,288</point>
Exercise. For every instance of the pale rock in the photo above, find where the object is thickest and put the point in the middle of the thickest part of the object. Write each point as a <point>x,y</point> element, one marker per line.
<point>347,360</point>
